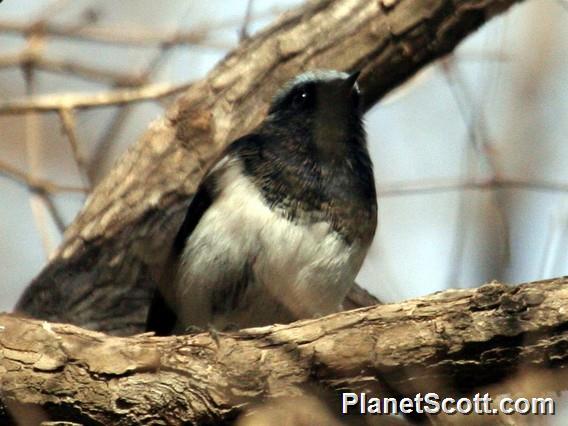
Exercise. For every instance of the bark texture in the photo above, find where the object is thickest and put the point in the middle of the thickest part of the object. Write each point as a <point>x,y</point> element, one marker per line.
<point>100,278</point>
<point>451,343</point>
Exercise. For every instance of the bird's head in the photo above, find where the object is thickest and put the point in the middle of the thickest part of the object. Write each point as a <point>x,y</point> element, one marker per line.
<point>324,104</point>
<point>324,92</point>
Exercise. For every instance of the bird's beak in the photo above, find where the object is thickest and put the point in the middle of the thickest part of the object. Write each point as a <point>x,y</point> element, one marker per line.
<point>352,79</point>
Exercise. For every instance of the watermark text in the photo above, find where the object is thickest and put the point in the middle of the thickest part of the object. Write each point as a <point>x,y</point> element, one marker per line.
<point>432,403</point>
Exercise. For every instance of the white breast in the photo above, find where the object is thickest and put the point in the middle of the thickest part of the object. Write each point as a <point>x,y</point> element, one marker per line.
<point>298,271</point>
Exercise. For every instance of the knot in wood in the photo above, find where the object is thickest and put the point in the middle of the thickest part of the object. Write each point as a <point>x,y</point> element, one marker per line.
<point>519,301</point>
<point>488,296</point>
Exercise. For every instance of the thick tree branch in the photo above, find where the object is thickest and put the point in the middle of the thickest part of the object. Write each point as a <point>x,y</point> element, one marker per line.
<point>100,278</point>
<point>451,343</point>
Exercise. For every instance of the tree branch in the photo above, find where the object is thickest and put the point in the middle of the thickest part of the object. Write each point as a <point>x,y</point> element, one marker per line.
<point>461,341</point>
<point>46,103</point>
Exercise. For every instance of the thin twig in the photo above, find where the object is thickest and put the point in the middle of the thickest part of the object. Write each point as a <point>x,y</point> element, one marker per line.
<point>8,60</point>
<point>433,187</point>
<point>141,37</point>
<point>56,102</point>
<point>137,37</point>
<point>33,157</point>
<point>53,211</point>
<point>243,32</point>
<point>113,128</point>
<point>561,252</point>
<point>35,184</point>
<point>68,122</point>
<point>480,141</point>
<point>41,204</point>
<point>460,233</point>
<point>62,66</point>
<point>546,262</point>
<point>87,72</point>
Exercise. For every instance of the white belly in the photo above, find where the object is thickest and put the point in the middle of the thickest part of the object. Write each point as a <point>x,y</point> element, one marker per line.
<point>292,271</point>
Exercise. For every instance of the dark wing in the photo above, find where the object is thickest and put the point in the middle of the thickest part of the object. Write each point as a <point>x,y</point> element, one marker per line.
<point>161,317</point>
<point>200,203</point>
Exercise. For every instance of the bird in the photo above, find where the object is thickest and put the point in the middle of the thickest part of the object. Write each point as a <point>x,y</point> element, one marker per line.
<point>281,223</point>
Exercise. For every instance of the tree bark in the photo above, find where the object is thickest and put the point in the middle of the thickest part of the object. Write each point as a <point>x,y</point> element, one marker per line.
<point>100,277</point>
<point>451,343</point>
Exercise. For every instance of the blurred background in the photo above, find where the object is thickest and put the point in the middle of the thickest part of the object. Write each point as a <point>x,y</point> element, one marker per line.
<point>471,159</point>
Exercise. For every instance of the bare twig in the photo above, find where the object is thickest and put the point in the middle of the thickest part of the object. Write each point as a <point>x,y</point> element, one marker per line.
<point>42,205</point>
<point>116,123</point>
<point>473,117</point>
<point>56,102</point>
<point>563,237</point>
<point>243,32</point>
<point>53,211</point>
<point>463,210</point>
<point>131,36</point>
<point>548,254</point>
<point>68,121</point>
<point>35,184</point>
<point>87,72</point>
<point>113,128</point>
<point>422,187</point>
<point>136,37</point>
<point>8,60</point>
<point>33,157</point>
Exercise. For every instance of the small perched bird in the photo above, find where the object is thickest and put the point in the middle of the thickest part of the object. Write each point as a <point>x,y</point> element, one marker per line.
<point>280,225</point>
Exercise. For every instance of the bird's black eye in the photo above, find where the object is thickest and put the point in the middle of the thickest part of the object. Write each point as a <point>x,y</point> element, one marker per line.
<point>301,98</point>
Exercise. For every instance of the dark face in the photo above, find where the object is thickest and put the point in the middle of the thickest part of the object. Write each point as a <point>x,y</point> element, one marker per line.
<point>321,111</point>
<point>331,98</point>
